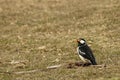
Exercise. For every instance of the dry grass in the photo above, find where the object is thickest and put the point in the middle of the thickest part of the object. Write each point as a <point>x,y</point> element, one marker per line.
<point>35,34</point>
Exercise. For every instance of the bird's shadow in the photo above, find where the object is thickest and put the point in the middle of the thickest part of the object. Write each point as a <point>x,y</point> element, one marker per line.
<point>77,64</point>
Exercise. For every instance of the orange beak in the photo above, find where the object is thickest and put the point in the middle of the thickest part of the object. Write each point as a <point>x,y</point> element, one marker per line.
<point>78,40</point>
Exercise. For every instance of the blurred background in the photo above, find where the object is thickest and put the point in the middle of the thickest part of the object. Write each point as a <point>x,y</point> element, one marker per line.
<point>35,34</point>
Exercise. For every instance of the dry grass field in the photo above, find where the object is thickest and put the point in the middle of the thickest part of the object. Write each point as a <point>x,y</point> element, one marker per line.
<point>35,34</point>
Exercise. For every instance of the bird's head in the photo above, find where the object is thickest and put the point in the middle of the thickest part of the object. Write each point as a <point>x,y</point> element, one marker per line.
<point>81,42</point>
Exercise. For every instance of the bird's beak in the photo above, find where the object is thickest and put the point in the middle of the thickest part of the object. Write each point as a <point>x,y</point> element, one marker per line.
<point>78,40</point>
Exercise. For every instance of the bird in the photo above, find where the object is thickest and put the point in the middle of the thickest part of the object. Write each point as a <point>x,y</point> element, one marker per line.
<point>85,52</point>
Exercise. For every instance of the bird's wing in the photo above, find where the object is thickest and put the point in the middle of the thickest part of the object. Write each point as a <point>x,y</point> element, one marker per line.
<point>80,52</point>
<point>86,53</point>
<point>90,53</point>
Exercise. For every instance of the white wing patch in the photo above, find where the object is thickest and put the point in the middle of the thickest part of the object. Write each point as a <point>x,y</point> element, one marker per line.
<point>79,51</point>
<point>81,57</point>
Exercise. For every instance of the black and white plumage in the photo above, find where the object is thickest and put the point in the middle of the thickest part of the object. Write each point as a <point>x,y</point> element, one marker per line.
<point>84,52</point>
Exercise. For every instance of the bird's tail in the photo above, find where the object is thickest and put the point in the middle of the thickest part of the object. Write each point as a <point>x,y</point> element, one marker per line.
<point>93,62</point>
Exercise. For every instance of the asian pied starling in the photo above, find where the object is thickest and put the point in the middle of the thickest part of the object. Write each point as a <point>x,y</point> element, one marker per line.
<point>84,52</point>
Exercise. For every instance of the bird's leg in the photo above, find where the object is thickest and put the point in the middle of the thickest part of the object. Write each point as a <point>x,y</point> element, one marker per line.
<point>86,64</point>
